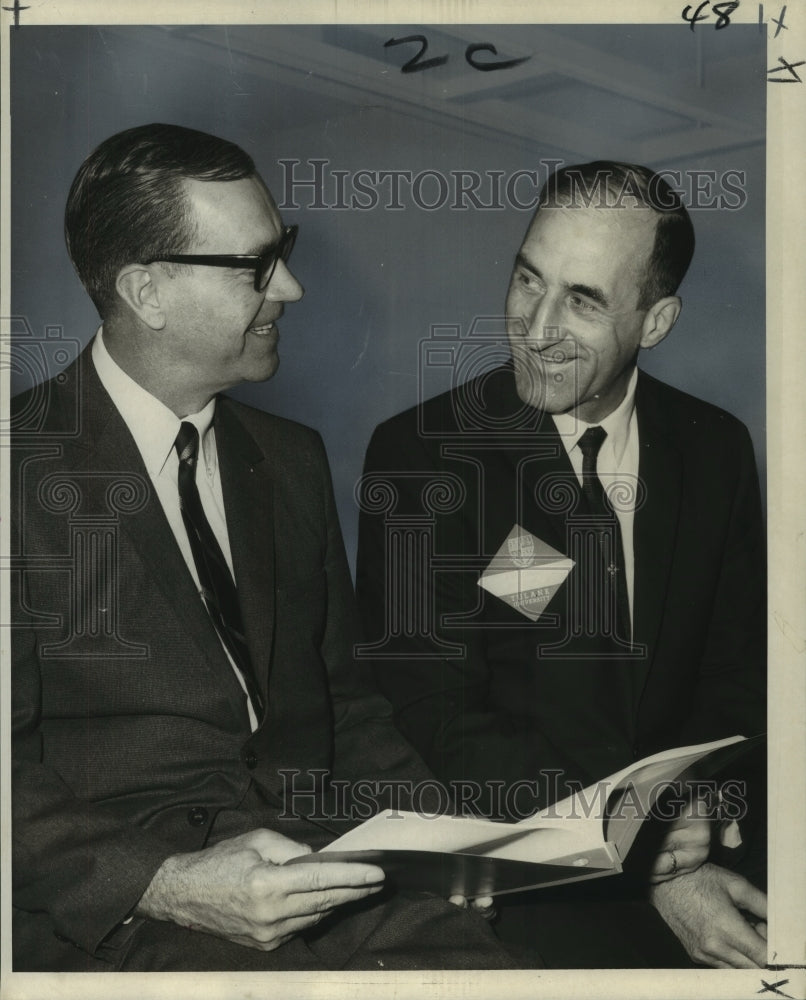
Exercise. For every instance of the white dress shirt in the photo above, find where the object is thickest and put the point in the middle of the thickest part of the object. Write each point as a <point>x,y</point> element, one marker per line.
<point>154,428</point>
<point>616,466</point>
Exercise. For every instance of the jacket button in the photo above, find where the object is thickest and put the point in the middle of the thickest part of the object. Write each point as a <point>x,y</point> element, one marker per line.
<point>197,816</point>
<point>250,759</point>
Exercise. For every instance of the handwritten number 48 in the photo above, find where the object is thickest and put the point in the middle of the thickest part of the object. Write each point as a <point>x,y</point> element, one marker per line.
<point>416,64</point>
<point>722,11</point>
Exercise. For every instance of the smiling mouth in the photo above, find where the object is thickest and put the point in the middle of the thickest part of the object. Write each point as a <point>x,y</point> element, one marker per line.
<point>264,330</point>
<point>552,355</point>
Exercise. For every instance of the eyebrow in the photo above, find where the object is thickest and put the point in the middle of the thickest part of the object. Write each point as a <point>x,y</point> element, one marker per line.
<point>592,292</point>
<point>261,248</point>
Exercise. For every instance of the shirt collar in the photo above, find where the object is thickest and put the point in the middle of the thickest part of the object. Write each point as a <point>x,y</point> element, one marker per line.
<point>617,423</point>
<point>152,425</point>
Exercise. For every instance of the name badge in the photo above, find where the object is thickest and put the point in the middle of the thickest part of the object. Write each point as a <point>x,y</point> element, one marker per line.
<point>525,573</point>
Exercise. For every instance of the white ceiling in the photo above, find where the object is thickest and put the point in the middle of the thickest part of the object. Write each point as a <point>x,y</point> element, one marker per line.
<point>663,93</point>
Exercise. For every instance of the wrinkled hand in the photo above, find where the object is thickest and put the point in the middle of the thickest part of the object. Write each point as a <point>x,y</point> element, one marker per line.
<point>482,905</point>
<point>685,847</point>
<point>236,889</point>
<point>702,909</point>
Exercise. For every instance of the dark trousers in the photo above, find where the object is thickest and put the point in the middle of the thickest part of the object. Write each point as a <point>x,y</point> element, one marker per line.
<point>395,933</point>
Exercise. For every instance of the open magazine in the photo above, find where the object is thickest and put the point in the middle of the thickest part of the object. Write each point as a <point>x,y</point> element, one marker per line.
<point>586,835</point>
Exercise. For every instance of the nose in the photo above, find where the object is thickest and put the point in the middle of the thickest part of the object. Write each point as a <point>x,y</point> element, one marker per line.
<point>543,322</point>
<point>283,286</point>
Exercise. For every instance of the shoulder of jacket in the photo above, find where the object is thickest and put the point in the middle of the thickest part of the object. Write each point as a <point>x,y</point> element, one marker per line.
<point>268,426</point>
<point>679,410</point>
<point>447,411</point>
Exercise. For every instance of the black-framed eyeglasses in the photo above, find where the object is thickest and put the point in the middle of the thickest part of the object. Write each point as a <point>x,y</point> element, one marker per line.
<point>263,265</point>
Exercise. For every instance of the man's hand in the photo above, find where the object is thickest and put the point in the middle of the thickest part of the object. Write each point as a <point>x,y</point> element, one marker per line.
<point>236,889</point>
<point>483,906</point>
<point>703,909</point>
<point>685,847</point>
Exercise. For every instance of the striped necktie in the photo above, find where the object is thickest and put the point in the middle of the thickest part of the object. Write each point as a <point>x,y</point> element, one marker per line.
<point>217,586</point>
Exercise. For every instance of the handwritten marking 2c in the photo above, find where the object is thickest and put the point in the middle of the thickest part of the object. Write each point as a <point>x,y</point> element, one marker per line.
<point>417,63</point>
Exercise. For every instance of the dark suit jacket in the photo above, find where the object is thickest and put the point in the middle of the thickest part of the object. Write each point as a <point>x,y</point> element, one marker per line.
<point>131,739</point>
<point>500,705</point>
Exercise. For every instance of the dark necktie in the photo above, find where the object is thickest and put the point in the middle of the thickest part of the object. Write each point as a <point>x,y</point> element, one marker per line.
<point>613,591</point>
<point>218,588</point>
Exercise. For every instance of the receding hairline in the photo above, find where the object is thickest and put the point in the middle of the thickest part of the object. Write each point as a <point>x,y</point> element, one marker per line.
<point>640,265</point>
<point>645,273</point>
<point>648,218</point>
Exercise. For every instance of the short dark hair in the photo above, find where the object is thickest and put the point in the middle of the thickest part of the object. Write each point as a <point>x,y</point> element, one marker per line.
<point>127,203</point>
<point>608,183</point>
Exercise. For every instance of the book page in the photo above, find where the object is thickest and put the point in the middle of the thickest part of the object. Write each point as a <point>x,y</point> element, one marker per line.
<point>406,831</point>
<point>658,767</point>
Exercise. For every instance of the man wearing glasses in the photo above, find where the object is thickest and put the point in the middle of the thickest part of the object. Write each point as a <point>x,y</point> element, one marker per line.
<point>183,612</point>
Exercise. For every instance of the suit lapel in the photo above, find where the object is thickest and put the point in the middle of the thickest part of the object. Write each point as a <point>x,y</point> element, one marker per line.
<point>549,488</point>
<point>534,459</point>
<point>248,488</point>
<point>655,526</point>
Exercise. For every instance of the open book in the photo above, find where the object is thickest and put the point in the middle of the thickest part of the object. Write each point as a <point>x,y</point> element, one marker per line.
<point>586,835</point>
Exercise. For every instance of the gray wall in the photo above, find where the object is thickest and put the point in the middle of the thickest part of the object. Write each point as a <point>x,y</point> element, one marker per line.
<point>377,281</point>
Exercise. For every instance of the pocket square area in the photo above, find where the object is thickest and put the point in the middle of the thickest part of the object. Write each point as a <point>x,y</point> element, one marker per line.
<point>525,573</point>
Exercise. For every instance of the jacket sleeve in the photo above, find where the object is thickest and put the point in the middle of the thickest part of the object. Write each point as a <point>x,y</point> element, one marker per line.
<point>730,692</point>
<point>439,679</point>
<point>71,857</point>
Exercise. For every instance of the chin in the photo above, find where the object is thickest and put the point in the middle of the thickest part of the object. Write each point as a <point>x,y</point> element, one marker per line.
<point>533,391</point>
<point>262,373</point>
<point>531,387</point>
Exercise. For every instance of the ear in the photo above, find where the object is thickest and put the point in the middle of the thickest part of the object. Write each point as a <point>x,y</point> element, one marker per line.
<point>138,287</point>
<point>659,320</point>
